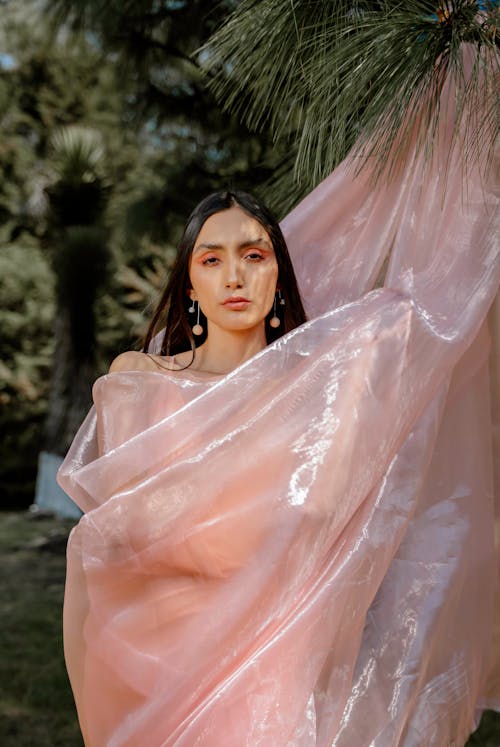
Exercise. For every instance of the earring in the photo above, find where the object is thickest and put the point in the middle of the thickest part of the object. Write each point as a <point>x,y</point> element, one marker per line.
<point>197,329</point>
<point>275,321</point>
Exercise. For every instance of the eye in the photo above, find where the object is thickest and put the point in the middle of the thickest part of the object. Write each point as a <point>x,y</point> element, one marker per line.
<point>254,256</point>
<point>210,261</point>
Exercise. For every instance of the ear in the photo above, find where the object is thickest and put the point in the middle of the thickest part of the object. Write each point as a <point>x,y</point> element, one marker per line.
<point>191,294</point>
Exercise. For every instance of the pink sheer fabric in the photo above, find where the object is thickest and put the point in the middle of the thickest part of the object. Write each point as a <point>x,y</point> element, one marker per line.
<point>302,552</point>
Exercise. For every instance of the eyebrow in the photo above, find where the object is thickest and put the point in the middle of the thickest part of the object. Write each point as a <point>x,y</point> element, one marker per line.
<point>243,245</point>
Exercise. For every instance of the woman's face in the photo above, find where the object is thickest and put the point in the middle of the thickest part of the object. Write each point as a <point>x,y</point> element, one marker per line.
<point>233,271</point>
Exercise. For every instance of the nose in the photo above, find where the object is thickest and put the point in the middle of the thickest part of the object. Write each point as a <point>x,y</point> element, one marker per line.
<point>234,274</point>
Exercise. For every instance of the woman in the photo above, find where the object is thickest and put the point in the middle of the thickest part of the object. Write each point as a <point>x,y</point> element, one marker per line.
<point>289,541</point>
<point>232,277</point>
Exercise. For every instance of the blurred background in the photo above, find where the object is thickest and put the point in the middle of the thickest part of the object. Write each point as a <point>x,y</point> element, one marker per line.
<point>112,128</point>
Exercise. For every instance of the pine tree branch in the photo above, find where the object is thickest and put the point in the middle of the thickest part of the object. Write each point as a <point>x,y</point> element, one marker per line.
<point>329,75</point>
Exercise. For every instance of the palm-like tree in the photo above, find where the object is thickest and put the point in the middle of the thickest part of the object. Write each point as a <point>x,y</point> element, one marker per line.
<point>78,245</point>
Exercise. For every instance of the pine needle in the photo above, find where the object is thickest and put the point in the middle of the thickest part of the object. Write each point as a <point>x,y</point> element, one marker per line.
<point>329,76</point>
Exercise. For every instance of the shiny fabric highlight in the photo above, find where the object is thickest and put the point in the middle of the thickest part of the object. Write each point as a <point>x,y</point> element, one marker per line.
<point>302,553</point>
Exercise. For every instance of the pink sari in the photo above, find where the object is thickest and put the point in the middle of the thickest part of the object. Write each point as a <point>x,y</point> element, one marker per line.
<point>302,552</point>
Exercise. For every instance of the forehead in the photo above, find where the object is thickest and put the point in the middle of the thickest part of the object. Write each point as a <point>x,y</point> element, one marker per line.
<point>232,226</point>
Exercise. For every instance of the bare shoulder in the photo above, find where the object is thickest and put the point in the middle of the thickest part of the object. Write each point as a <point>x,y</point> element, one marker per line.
<point>132,360</point>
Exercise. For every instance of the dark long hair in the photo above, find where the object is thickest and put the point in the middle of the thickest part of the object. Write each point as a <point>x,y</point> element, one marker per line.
<point>172,309</point>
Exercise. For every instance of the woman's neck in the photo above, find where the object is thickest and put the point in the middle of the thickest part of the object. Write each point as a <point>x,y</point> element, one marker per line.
<point>224,350</point>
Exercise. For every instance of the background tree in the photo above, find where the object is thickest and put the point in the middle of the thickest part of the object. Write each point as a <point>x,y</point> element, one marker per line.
<point>46,83</point>
<point>26,314</point>
<point>78,242</point>
<point>36,98</point>
<point>155,45</point>
<point>328,76</point>
<point>166,143</point>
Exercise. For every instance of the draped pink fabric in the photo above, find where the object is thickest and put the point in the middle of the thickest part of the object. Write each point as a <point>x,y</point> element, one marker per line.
<point>302,552</point>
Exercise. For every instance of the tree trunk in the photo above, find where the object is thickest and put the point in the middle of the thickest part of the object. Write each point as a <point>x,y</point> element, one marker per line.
<point>70,391</point>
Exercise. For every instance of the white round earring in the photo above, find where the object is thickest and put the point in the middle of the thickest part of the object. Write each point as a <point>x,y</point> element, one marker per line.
<point>275,321</point>
<point>197,329</point>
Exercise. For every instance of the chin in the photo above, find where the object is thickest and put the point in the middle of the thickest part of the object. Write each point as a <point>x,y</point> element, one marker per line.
<point>240,325</point>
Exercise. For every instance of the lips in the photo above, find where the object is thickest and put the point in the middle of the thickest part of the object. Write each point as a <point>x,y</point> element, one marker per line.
<point>236,303</point>
<point>236,299</point>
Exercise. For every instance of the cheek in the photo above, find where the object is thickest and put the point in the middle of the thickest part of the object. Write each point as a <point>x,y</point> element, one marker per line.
<point>200,283</point>
<point>267,288</point>
<point>271,280</point>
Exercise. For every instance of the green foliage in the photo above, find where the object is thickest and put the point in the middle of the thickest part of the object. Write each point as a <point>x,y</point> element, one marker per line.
<point>142,286</point>
<point>36,703</point>
<point>26,311</point>
<point>39,95</point>
<point>325,75</point>
<point>202,149</point>
<point>79,153</point>
<point>77,234</point>
<point>79,246</point>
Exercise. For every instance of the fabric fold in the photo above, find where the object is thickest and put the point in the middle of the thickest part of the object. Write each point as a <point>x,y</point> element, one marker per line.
<point>302,552</point>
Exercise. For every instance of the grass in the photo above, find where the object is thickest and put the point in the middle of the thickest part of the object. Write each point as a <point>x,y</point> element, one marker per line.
<point>36,703</point>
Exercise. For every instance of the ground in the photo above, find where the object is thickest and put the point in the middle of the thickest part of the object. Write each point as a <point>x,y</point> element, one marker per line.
<point>36,704</point>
